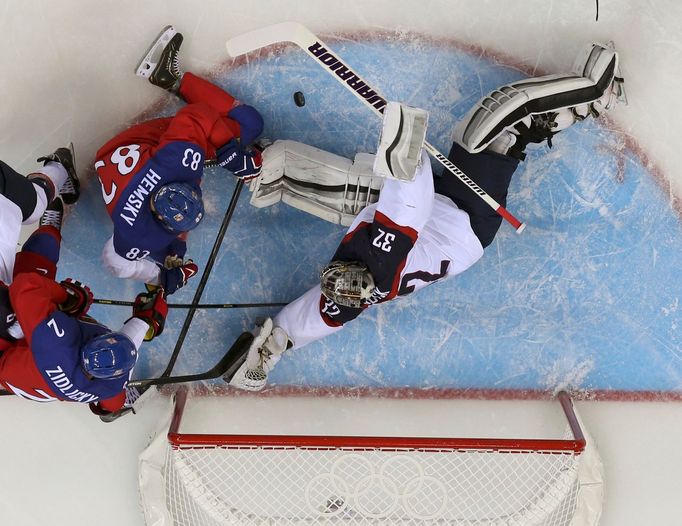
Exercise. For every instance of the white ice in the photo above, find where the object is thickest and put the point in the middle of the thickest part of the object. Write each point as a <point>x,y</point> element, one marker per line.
<point>67,73</point>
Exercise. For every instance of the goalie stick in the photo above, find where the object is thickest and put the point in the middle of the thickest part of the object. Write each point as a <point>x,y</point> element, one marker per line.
<point>332,64</point>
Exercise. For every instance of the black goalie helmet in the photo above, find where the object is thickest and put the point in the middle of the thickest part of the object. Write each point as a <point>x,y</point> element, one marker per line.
<point>347,283</point>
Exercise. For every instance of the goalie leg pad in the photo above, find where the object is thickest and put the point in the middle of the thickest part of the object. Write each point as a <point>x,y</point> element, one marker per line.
<point>318,182</point>
<point>585,92</point>
<point>402,138</point>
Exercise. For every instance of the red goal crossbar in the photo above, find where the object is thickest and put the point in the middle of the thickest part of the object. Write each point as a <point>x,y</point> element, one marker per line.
<point>202,440</point>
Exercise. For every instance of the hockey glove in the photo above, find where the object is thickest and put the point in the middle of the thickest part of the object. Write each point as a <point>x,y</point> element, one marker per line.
<point>79,297</point>
<point>109,416</point>
<point>151,307</point>
<point>245,164</point>
<point>172,262</point>
<point>173,279</point>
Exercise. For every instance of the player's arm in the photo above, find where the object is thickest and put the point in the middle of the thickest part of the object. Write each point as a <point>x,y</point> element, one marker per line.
<point>148,319</point>
<point>122,267</point>
<point>409,203</point>
<point>312,317</point>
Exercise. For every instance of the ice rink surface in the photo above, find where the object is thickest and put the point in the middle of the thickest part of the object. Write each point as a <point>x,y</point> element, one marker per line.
<point>587,298</point>
<point>581,300</point>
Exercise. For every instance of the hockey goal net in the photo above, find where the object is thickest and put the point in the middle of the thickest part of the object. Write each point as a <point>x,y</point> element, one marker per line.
<point>210,479</point>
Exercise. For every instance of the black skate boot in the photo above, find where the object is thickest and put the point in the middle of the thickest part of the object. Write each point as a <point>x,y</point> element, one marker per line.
<point>54,214</point>
<point>160,62</point>
<point>71,189</point>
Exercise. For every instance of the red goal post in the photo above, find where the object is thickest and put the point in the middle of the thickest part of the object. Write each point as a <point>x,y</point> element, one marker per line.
<point>211,479</point>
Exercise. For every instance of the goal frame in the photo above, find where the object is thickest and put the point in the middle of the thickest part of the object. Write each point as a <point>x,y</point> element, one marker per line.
<point>216,477</point>
<point>577,444</point>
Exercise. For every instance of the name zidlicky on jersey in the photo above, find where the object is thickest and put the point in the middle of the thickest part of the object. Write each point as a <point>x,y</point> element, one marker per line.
<point>65,386</point>
<point>328,60</point>
<point>133,204</point>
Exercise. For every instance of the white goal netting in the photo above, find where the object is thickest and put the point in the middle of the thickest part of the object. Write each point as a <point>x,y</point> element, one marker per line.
<point>294,480</point>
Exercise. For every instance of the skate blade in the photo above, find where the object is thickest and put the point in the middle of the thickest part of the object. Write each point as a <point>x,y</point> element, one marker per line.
<point>151,57</point>
<point>73,154</point>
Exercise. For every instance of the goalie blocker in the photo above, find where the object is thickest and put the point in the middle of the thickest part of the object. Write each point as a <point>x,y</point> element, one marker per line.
<point>332,187</point>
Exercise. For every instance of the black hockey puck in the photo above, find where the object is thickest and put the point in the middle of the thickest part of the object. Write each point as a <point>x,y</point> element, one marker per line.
<point>299,99</point>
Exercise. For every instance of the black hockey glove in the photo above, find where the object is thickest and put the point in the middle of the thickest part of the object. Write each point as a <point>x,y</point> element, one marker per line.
<point>172,279</point>
<point>78,300</point>
<point>245,164</point>
<point>151,307</point>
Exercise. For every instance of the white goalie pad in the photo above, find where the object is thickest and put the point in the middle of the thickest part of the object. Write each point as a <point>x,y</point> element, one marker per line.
<point>321,183</point>
<point>595,77</point>
<point>402,137</point>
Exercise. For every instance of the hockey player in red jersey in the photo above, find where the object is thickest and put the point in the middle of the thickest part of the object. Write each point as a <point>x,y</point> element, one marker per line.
<point>151,173</point>
<point>50,349</point>
<point>422,231</point>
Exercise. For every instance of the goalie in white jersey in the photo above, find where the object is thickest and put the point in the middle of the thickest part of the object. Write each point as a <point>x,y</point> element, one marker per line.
<point>419,231</point>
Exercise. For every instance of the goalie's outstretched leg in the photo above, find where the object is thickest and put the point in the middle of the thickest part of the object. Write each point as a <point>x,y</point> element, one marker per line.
<point>534,110</point>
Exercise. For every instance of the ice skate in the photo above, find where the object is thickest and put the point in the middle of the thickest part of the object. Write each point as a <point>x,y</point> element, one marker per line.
<point>534,110</point>
<point>160,62</point>
<point>54,214</point>
<point>70,190</point>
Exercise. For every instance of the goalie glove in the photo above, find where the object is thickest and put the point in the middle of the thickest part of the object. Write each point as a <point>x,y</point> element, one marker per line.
<point>173,279</point>
<point>151,307</point>
<point>79,297</point>
<point>265,351</point>
<point>245,164</point>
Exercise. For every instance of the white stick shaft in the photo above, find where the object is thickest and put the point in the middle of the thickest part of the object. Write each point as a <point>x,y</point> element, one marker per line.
<point>320,52</point>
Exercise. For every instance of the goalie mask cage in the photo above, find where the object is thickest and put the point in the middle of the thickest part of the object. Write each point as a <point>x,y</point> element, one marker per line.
<point>272,479</point>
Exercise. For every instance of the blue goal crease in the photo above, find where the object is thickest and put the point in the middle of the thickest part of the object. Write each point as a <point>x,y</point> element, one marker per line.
<point>587,298</point>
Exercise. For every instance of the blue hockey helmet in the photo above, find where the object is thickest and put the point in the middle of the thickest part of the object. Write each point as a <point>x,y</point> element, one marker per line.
<point>108,356</point>
<point>178,206</point>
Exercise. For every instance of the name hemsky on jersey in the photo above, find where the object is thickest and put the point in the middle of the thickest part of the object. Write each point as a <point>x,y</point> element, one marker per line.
<point>136,198</point>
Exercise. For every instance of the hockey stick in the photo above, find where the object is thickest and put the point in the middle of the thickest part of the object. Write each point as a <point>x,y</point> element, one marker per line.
<point>123,303</point>
<point>226,367</point>
<point>332,64</point>
<point>204,278</point>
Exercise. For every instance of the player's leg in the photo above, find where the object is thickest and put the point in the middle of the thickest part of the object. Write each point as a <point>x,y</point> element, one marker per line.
<point>23,200</point>
<point>336,189</point>
<point>504,122</point>
<point>318,182</point>
<point>489,170</point>
<point>161,67</point>
<point>62,159</point>
<point>40,252</point>
<point>534,110</point>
